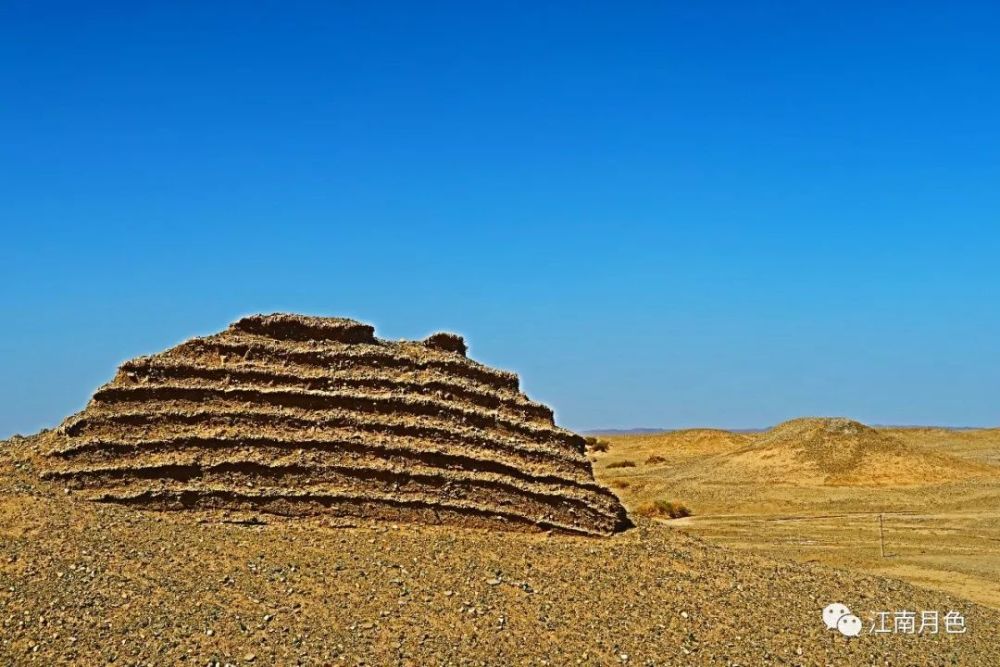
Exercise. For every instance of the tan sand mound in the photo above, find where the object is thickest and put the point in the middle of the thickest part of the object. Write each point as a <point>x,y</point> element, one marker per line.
<point>705,440</point>
<point>668,447</point>
<point>840,451</point>
<point>299,416</point>
<point>979,445</point>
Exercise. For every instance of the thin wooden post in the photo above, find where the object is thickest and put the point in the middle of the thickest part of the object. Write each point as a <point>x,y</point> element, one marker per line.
<point>881,535</point>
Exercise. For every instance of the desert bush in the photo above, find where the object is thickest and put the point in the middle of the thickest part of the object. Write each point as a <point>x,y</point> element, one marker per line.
<point>622,464</point>
<point>653,460</point>
<point>620,484</point>
<point>596,444</point>
<point>664,508</point>
<point>448,342</point>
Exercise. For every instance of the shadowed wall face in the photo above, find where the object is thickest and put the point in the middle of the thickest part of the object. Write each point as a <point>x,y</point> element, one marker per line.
<point>303,415</point>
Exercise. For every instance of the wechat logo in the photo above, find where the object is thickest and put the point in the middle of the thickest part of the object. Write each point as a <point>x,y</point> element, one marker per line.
<point>837,616</point>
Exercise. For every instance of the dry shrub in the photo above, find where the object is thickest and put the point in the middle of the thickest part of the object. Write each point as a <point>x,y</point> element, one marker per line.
<point>448,342</point>
<point>597,445</point>
<point>653,460</point>
<point>664,508</point>
<point>621,464</point>
<point>620,484</point>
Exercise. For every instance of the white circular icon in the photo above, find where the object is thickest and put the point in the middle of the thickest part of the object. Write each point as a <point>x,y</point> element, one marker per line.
<point>849,625</point>
<point>832,614</point>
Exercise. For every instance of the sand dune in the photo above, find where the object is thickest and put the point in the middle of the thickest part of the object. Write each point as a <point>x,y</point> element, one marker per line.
<point>915,503</point>
<point>838,451</point>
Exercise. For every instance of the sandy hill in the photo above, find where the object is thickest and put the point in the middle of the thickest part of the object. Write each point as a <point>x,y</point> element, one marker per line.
<point>980,445</point>
<point>916,503</point>
<point>668,447</point>
<point>700,440</point>
<point>296,415</point>
<point>838,451</point>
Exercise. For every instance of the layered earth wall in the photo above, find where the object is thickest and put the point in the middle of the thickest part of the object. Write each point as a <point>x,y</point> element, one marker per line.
<point>303,416</point>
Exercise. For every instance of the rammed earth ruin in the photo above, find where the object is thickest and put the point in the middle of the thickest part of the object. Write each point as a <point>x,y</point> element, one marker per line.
<point>312,416</point>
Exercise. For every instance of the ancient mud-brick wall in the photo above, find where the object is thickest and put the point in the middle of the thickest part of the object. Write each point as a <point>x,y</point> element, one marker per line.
<point>306,416</point>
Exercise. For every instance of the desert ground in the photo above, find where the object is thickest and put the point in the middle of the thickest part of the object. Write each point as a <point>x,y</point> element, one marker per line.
<point>814,490</point>
<point>84,583</point>
<point>294,490</point>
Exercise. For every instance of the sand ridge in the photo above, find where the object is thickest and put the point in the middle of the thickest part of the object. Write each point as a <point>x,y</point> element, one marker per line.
<point>916,503</point>
<point>839,451</point>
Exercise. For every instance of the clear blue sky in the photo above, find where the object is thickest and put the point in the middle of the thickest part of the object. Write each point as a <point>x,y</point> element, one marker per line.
<point>672,214</point>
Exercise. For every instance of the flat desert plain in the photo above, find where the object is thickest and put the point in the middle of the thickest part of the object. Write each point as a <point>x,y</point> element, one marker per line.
<point>917,504</point>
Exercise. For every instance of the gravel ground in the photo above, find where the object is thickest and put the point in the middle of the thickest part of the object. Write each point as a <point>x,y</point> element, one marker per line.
<point>86,584</point>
